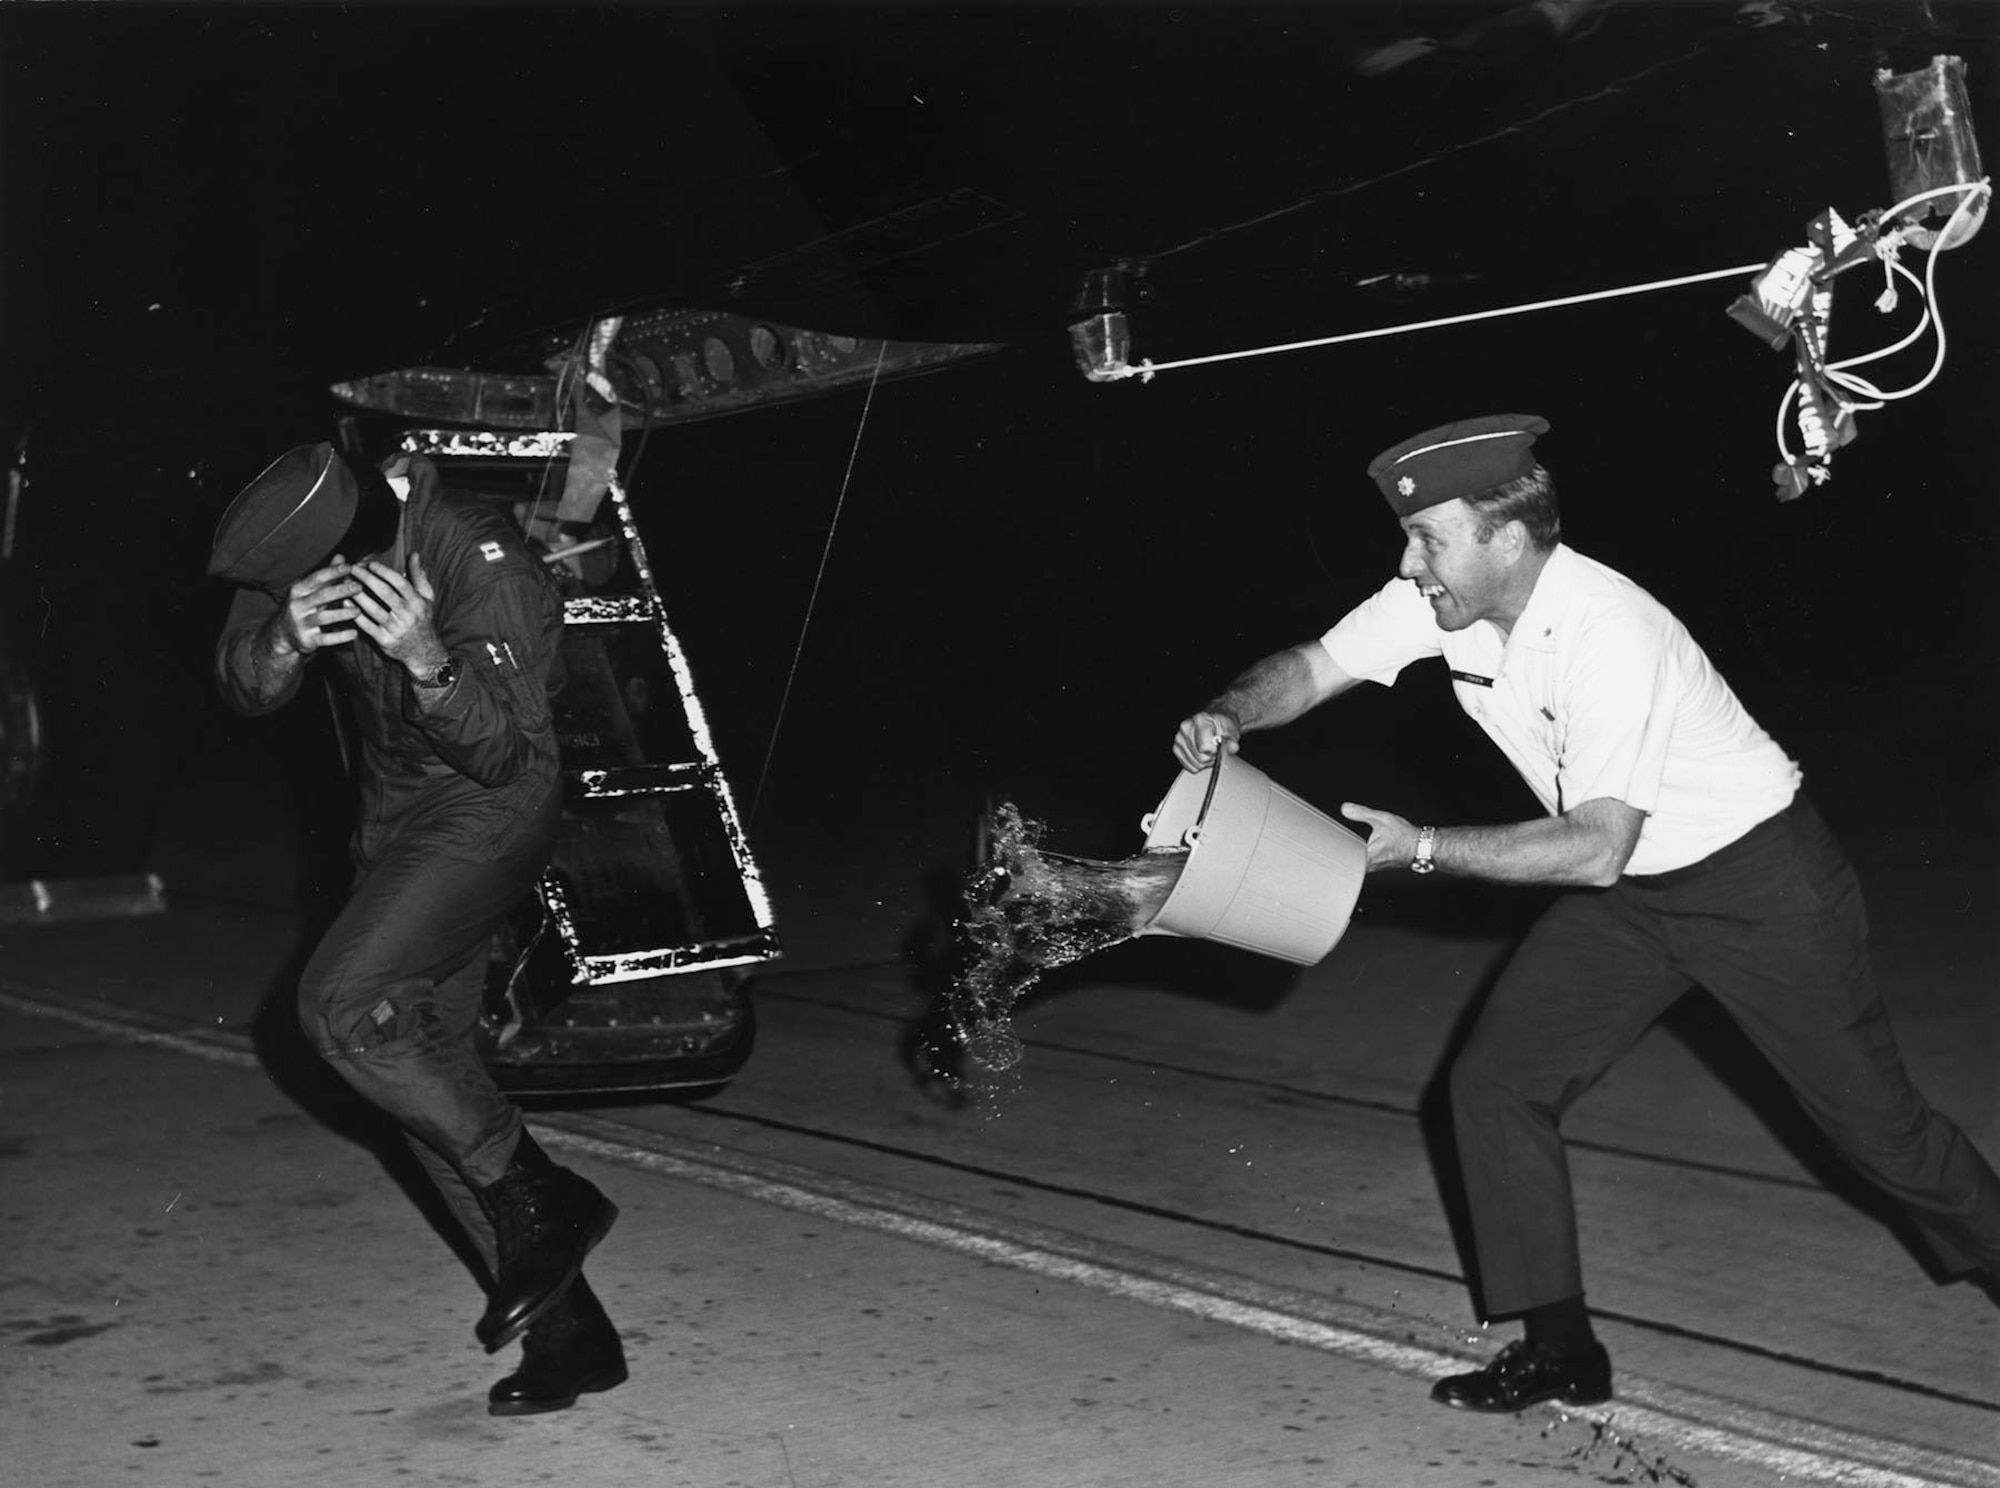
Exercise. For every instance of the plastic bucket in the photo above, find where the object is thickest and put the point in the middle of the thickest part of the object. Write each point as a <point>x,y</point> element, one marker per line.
<point>1265,870</point>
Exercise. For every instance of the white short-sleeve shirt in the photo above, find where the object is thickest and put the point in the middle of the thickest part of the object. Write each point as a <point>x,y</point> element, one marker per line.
<point>1597,691</point>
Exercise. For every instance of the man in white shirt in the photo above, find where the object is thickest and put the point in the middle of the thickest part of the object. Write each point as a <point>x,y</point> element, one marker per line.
<point>1692,858</point>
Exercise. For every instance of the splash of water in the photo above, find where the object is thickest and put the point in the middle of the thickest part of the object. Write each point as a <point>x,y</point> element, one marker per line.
<point>1027,911</point>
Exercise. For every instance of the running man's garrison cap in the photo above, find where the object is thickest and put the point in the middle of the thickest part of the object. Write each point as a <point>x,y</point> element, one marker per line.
<point>1456,460</point>
<point>285,520</point>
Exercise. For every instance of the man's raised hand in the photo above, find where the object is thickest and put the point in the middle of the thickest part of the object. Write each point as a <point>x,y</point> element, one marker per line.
<point>317,611</point>
<point>394,611</point>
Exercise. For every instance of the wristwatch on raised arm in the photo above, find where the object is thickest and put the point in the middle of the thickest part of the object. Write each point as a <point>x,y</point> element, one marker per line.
<point>1426,844</point>
<point>440,679</point>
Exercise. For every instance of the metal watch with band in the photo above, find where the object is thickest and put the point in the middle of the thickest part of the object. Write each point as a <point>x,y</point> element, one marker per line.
<point>1426,844</point>
<point>445,674</point>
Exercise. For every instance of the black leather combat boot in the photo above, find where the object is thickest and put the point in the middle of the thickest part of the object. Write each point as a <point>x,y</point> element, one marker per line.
<point>545,1221</point>
<point>570,1350</point>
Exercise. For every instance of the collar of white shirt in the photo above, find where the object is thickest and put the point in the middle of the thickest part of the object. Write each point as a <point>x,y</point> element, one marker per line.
<point>1547,606</point>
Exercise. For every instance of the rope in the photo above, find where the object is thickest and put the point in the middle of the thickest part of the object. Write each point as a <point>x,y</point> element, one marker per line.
<point>812,599</point>
<point>1146,369</point>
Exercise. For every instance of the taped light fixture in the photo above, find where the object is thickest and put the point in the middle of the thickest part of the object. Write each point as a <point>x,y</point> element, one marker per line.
<point>1934,170</point>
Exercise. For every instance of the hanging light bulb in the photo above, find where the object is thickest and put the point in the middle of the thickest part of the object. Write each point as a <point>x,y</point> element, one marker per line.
<point>1098,332</point>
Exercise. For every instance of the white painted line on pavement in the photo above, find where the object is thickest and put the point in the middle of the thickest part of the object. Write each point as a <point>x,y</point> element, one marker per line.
<point>1683,1419</point>
<point>130,1027</point>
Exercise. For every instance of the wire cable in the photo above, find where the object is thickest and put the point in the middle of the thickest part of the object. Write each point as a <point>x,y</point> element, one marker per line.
<point>1145,370</point>
<point>784,700</point>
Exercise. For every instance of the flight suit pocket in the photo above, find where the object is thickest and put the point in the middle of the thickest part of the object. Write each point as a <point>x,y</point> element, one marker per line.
<point>522,687</point>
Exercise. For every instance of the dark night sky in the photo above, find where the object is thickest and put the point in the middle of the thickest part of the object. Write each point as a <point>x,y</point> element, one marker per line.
<point>210,214</point>
<point>331,188</point>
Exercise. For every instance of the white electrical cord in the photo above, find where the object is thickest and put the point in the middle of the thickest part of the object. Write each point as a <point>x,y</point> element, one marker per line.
<point>1836,374</point>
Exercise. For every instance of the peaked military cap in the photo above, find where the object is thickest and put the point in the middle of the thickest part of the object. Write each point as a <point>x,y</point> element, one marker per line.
<point>1456,460</point>
<point>286,520</point>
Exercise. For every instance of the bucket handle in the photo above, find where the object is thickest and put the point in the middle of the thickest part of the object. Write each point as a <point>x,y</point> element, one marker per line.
<point>1214,779</point>
<point>1193,834</point>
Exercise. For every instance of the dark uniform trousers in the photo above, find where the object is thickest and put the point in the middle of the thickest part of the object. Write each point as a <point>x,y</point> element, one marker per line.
<point>1773,927</point>
<point>393,993</point>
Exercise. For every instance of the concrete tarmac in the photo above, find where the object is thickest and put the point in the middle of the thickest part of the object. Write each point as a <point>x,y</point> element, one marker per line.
<point>202,1282</point>
<point>1198,1238</point>
<point>205,1286</point>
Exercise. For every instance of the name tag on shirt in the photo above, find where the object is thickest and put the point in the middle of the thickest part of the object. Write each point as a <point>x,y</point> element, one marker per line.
<point>1473,678</point>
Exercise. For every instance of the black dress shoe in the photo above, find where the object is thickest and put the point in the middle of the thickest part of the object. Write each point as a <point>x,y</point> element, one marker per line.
<point>545,1221</point>
<point>570,1350</point>
<point>1521,1376</point>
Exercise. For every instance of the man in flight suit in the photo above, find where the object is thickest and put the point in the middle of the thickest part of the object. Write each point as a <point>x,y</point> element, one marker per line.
<point>443,631</point>
<point>1690,857</point>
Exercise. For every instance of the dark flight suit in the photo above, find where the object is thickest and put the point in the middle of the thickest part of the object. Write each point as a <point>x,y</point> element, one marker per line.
<point>459,808</point>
